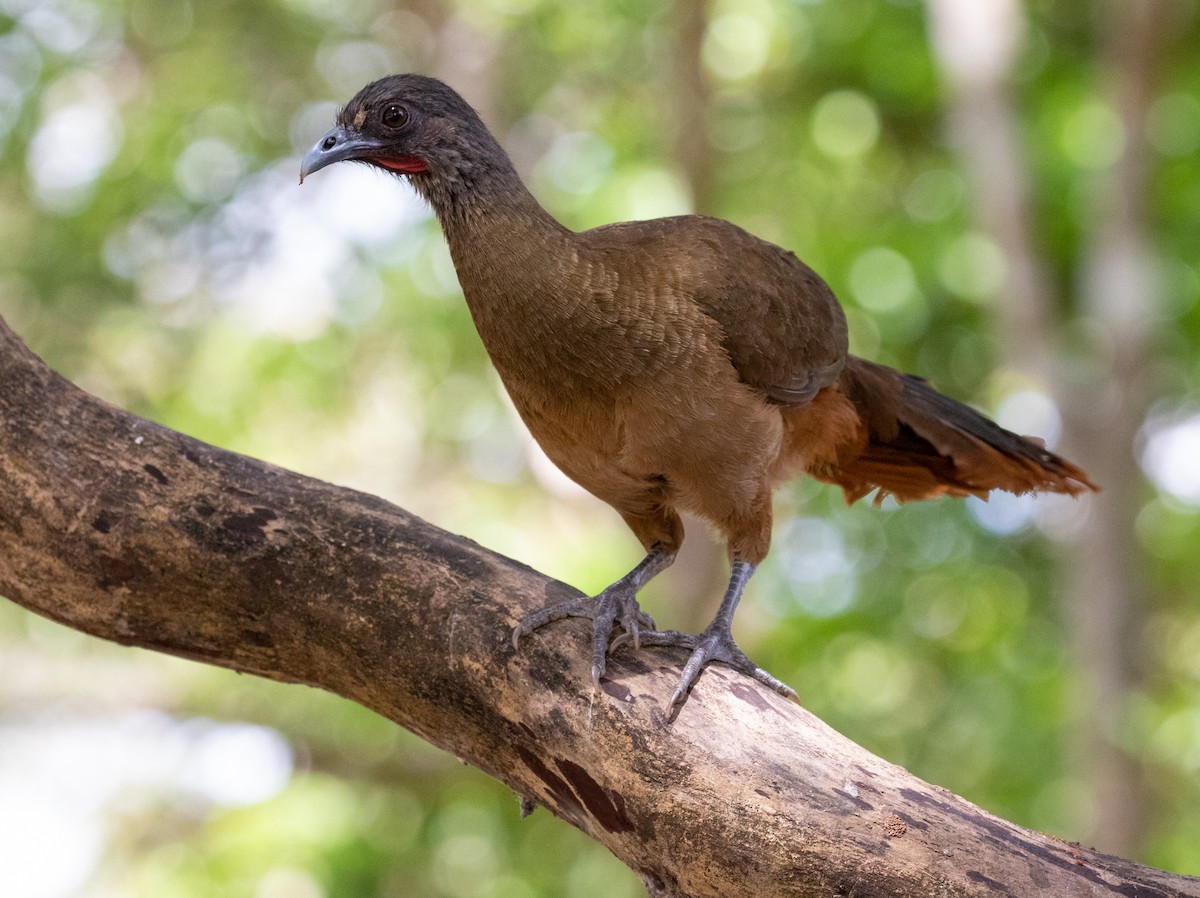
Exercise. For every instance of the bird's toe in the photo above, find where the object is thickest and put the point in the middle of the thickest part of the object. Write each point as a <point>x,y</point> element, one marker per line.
<point>715,644</point>
<point>581,606</point>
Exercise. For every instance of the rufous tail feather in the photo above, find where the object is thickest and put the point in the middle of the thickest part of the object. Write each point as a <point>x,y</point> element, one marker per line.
<point>915,443</point>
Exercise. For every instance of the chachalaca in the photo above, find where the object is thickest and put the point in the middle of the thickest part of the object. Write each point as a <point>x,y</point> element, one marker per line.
<point>674,364</point>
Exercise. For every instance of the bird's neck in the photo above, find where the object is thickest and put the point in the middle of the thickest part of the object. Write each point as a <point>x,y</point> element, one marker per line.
<point>508,253</point>
<point>500,236</point>
<point>515,264</point>
<point>473,181</point>
<point>496,218</point>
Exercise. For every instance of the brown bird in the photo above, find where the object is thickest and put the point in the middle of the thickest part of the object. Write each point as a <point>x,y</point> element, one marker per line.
<point>674,364</point>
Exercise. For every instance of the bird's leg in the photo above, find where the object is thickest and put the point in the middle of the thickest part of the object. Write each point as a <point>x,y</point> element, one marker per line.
<point>716,642</point>
<point>617,604</point>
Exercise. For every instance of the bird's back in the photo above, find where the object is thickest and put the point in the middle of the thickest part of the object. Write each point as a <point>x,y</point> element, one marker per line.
<point>781,326</point>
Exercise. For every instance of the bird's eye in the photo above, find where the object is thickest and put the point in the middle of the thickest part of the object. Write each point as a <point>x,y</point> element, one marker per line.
<point>395,116</point>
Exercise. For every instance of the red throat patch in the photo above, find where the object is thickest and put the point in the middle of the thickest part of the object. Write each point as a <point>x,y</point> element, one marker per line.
<point>407,164</point>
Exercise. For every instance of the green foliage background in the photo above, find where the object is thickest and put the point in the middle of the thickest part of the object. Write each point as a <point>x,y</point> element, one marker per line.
<point>148,152</point>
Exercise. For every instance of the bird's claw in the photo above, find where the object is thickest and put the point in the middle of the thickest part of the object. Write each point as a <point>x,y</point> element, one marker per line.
<point>580,606</point>
<point>615,607</point>
<point>776,685</point>
<point>714,644</point>
<point>633,628</point>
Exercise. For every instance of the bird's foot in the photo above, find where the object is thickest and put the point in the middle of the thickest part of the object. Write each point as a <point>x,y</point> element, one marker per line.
<point>615,606</point>
<point>714,644</point>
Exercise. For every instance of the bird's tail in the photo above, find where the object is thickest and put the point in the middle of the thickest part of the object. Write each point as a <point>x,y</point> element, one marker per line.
<point>912,442</point>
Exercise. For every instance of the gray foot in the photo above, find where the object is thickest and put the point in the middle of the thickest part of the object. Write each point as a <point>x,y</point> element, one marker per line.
<point>615,606</point>
<point>714,644</point>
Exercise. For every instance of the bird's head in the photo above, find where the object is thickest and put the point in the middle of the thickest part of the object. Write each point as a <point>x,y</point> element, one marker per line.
<point>414,126</point>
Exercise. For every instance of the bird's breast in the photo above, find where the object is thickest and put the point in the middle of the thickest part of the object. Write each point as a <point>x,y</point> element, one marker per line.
<point>579,339</point>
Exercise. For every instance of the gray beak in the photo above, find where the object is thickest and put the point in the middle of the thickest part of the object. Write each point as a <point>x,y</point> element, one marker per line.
<point>336,146</point>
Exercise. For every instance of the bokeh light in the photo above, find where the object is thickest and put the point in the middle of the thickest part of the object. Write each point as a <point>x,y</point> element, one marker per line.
<point>156,248</point>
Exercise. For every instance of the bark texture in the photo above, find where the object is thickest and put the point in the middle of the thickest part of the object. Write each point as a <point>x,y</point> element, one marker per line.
<point>132,532</point>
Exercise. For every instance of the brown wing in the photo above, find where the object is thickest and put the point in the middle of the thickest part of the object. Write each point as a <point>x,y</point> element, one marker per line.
<point>782,326</point>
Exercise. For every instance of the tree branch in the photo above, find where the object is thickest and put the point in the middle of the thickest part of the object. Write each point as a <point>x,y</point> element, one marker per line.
<point>129,531</point>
